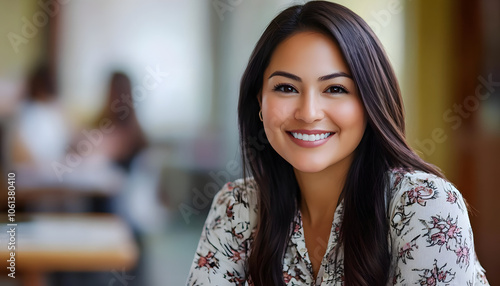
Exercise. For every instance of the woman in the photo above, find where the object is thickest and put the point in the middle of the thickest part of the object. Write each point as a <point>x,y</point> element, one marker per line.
<point>336,197</point>
<point>127,139</point>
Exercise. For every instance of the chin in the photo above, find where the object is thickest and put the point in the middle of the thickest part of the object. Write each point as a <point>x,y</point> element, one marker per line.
<point>309,167</point>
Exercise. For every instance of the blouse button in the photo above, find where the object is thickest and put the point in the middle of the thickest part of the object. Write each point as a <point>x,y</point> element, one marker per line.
<point>325,273</point>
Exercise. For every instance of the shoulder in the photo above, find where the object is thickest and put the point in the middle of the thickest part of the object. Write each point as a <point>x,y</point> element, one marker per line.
<point>234,208</point>
<point>430,230</point>
<point>417,187</point>
<point>225,241</point>
<point>241,192</point>
<point>422,204</point>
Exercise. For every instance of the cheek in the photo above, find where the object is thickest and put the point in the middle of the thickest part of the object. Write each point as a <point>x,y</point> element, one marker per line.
<point>350,115</point>
<point>276,112</point>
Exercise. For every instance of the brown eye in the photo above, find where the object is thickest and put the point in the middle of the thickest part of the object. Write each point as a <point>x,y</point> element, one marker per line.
<point>286,88</point>
<point>336,89</point>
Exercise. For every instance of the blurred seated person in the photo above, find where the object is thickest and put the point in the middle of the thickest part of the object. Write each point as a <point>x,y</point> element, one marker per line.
<point>40,132</point>
<point>115,146</point>
<point>125,138</point>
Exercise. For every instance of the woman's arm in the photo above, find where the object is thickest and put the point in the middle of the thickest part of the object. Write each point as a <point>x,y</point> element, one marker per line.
<point>431,235</point>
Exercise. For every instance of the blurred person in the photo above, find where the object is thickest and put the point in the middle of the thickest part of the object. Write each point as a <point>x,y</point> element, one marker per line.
<point>41,130</point>
<point>38,136</point>
<point>126,138</point>
<point>117,139</point>
<point>115,165</point>
<point>125,146</point>
<point>336,196</point>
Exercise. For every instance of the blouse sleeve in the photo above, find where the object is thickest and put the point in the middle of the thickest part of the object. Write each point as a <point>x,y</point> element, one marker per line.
<point>220,258</point>
<point>432,240</point>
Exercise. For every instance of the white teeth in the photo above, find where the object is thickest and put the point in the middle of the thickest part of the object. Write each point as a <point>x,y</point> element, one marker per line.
<point>310,137</point>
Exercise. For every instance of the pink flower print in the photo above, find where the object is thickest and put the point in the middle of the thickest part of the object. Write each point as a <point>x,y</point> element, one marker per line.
<point>420,194</point>
<point>405,251</point>
<point>431,281</point>
<point>208,261</point>
<point>298,273</point>
<point>453,231</point>
<point>235,277</point>
<point>396,277</point>
<point>438,238</point>
<point>463,254</point>
<point>398,177</point>
<point>236,255</point>
<point>287,277</point>
<point>229,211</point>
<point>442,276</point>
<point>297,225</point>
<point>437,274</point>
<point>336,228</point>
<point>336,232</point>
<point>451,197</point>
<point>438,223</point>
<point>202,261</point>
<point>296,228</point>
<point>443,232</point>
<point>235,234</point>
<point>482,278</point>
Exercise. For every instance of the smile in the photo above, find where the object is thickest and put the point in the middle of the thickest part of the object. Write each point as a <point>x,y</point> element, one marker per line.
<point>310,137</point>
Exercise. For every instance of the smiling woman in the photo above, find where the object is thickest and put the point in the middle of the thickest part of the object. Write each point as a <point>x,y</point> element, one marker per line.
<point>314,118</point>
<point>336,196</point>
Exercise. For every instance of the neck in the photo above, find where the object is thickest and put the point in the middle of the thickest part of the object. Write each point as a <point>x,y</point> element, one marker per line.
<point>320,191</point>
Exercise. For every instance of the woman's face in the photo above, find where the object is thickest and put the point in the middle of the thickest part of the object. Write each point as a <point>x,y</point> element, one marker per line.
<point>313,116</point>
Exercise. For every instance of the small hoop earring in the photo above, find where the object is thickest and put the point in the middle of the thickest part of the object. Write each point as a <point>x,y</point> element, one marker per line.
<point>260,115</point>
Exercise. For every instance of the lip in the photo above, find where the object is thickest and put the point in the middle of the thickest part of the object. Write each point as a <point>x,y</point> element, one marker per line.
<point>310,144</point>
<point>304,131</point>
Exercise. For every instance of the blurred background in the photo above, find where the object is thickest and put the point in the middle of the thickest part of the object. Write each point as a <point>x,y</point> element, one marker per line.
<point>119,121</point>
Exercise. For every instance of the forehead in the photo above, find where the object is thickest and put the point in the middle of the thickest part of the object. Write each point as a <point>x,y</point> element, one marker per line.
<point>308,53</point>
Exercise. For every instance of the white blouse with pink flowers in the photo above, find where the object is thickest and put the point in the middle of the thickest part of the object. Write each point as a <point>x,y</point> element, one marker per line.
<point>430,236</point>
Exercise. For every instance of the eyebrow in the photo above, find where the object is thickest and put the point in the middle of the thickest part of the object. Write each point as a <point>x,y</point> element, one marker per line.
<point>321,78</point>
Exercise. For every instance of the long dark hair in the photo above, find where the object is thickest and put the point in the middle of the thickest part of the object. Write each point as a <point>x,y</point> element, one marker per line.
<point>364,229</point>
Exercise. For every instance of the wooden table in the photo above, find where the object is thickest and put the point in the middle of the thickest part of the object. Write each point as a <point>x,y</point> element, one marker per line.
<point>68,242</point>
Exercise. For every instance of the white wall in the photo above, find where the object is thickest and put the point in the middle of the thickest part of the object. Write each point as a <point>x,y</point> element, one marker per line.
<point>173,37</point>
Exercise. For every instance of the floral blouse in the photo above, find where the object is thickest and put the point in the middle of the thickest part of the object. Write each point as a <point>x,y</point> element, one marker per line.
<point>430,236</point>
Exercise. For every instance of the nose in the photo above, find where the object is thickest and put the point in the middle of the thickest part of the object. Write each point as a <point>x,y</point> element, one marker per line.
<point>309,109</point>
